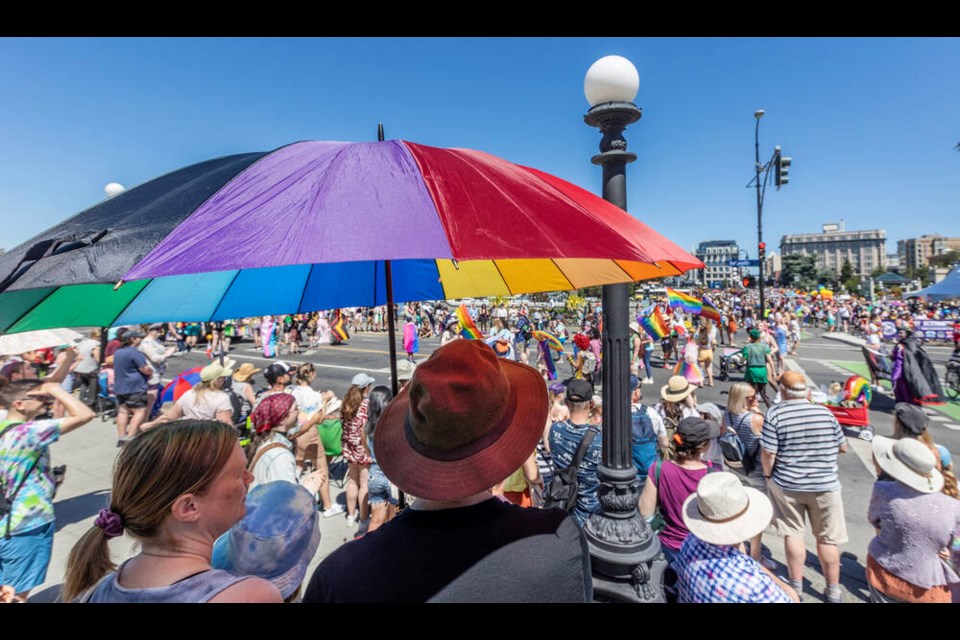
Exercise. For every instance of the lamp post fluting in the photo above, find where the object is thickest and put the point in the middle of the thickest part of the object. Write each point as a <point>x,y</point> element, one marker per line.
<point>627,563</point>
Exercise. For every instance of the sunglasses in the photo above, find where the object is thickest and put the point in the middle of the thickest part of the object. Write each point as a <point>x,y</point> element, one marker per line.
<point>42,399</point>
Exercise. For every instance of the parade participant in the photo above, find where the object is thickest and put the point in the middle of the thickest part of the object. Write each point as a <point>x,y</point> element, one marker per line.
<point>26,482</point>
<point>451,332</point>
<point>565,438</point>
<point>175,516</point>
<point>191,331</point>
<point>799,448</point>
<point>255,323</point>
<point>670,482</point>
<point>411,337</point>
<point>276,540</point>
<point>268,336</point>
<point>205,401</point>
<point>794,335</point>
<point>757,358</point>
<point>641,348</point>
<point>131,374</point>
<point>914,523</point>
<point>501,339</point>
<point>731,328</point>
<point>116,343</point>
<point>456,542</point>
<point>780,337</point>
<point>354,412</point>
<point>914,378</point>
<point>711,564</point>
<point>687,366</point>
<point>706,343</point>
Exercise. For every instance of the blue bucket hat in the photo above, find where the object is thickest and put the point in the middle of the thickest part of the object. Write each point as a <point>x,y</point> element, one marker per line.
<point>277,538</point>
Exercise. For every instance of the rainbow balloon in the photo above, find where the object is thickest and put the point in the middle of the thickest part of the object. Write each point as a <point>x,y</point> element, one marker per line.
<point>686,302</point>
<point>468,329</point>
<point>552,341</point>
<point>655,325</point>
<point>857,388</point>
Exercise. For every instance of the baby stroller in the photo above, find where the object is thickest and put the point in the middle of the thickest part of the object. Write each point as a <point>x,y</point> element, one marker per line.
<point>731,360</point>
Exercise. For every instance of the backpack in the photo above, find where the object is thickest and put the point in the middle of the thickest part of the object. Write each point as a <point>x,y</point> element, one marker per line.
<point>589,363</point>
<point>236,402</point>
<point>735,453</point>
<point>565,486</point>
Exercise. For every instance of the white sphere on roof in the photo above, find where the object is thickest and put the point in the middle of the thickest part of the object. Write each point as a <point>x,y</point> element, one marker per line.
<point>113,188</point>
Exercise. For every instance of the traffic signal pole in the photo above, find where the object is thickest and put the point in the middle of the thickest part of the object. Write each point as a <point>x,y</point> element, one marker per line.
<point>756,141</point>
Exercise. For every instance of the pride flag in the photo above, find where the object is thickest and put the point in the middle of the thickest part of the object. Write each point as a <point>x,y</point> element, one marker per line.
<point>655,325</point>
<point>548,362</point>
<point>686,302</point>
<point>710,312</point>
<point>468,329</point>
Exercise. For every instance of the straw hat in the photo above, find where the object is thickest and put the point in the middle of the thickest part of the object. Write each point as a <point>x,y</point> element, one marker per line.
<point>908,461</point>
<point>676,389</point>
<point>724,512</point>
<point>245,372</point>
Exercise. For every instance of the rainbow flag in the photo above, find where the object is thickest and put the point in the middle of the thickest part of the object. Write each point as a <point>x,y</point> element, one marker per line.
<point>710,312</point>
<point>552,341</point>
<point>468,328</point>
<point>655,325</point>
<point>338,330</point>
<point>686,302</point>
<point>548,360</point>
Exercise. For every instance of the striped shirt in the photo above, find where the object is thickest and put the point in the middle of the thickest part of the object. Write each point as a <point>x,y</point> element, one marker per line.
<point>806,438</point>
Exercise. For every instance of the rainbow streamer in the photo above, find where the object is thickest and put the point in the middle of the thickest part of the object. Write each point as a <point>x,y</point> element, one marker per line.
<point>686,302</point>
<point>710,312</point>
<point>552,341</point>
<point>468,328</point>
<point>548,362</point>
<point>655,325</point>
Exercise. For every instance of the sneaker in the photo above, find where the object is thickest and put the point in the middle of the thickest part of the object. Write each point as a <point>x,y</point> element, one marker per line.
<point>768,563</point>
<point>351,521</point>
<point>336,509</point>
<point>648,381</point>
<point>833,599</point>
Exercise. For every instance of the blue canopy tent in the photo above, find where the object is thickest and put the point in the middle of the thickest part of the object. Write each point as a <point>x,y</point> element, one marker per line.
<point>946,289</point>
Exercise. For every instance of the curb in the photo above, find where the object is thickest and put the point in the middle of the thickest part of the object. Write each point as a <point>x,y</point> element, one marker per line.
<point>845,338</point>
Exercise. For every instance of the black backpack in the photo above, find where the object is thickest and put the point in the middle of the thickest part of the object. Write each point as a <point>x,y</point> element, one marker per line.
<point>236,402</point>
<point>564,488</point>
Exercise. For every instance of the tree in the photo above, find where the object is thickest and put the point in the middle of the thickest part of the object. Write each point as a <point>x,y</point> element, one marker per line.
<point>878,271</point>
<point>945,259</point>
<point>803,267</point>
<point>846,271</point>
<point>827,277</point>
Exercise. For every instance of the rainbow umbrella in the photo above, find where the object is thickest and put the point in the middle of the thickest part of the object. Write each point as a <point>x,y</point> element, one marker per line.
<point>552,341</point>
<point>179,386</point>
<point>316,225</point>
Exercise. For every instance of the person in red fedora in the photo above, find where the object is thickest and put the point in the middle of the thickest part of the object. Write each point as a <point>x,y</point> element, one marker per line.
<point>466,421</point>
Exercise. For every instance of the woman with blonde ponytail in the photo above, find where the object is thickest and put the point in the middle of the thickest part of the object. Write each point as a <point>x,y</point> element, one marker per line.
<point>176,489</point>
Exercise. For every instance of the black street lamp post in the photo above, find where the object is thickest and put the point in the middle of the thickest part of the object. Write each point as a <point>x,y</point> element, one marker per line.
<point>627,563</point>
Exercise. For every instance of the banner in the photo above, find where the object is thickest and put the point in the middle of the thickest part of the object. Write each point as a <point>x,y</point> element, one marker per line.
<point>934,329</point>
<point>888,330</point>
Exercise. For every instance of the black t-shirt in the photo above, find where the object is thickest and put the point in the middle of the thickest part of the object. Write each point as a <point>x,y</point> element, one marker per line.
<point>488,552</point>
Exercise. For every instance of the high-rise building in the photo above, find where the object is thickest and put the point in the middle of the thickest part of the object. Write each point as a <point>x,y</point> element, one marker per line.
<point>715,254</point>
<point>866,250</point>
<point>915,253</point>
<point>893,260</point>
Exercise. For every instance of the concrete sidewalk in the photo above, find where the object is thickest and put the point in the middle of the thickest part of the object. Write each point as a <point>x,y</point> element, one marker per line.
<point>89,454</point>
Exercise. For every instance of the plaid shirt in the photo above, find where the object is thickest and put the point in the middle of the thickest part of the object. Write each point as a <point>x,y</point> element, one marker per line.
<point>716,574</point>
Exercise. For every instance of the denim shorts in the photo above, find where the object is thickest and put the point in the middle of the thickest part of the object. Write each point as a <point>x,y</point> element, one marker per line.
<point>24,558</point>
<point>378,487</point>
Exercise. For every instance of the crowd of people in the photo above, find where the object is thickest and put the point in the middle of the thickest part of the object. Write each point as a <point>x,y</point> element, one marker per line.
<point>473,440</point>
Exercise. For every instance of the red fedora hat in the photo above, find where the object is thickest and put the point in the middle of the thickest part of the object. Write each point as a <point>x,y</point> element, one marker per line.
<point>466,421</point>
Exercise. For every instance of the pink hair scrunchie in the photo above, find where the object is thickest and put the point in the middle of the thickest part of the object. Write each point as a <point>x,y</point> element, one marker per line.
<point>110,523</point>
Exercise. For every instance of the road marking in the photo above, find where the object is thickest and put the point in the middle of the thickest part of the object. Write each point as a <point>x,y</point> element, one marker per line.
<point>940,418</point>
<point>952,427</point>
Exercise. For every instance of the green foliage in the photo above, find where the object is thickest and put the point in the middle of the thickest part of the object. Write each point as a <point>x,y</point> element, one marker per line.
<point>846,271</point>
<point>805,267</point>
<point>945,259</point>
<point>852,284</point>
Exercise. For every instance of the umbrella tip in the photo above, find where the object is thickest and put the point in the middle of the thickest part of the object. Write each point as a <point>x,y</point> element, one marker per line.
<point>380,132</point>
<point>118,285</point>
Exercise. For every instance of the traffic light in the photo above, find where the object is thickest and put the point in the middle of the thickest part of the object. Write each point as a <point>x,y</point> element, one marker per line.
<point>748,282</point>
<point>782,169</point>
<point>762,250</point>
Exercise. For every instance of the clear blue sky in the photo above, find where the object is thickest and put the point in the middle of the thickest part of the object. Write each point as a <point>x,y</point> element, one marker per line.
<point>871,123</point>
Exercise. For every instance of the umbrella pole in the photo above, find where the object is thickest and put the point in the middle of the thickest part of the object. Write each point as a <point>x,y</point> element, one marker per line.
<point>392,330</point>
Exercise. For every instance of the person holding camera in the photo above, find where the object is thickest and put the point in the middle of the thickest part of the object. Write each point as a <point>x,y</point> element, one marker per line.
<point>26,479</point>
